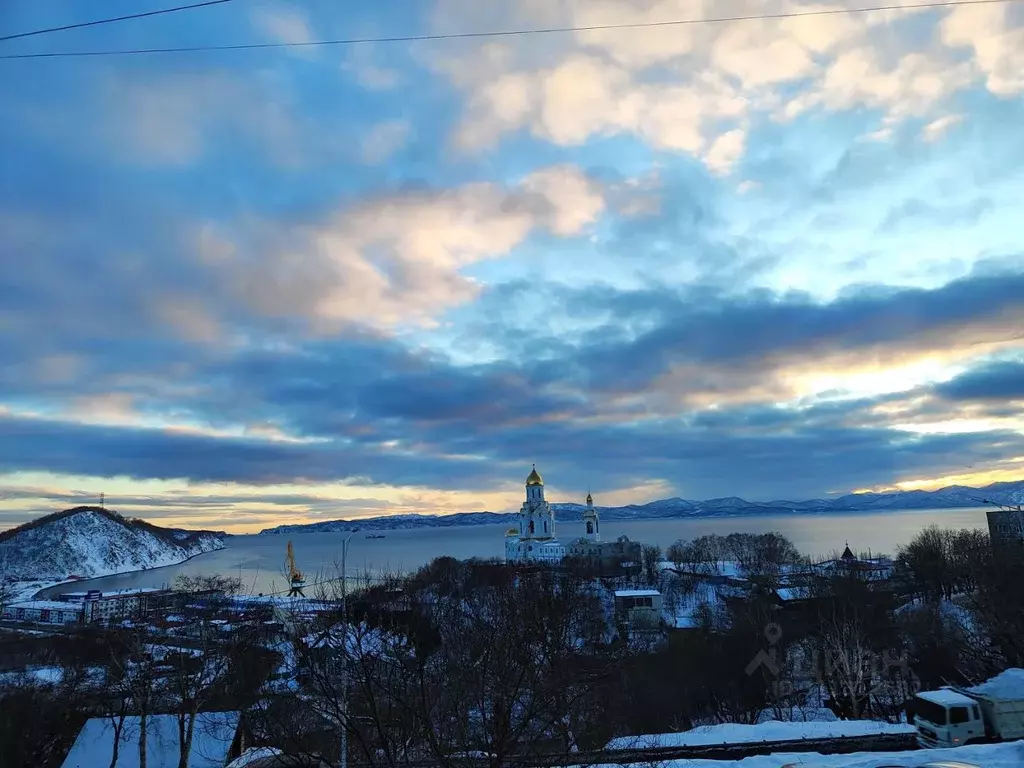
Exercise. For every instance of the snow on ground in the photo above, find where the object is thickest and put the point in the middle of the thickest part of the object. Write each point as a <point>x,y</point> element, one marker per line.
<point>728,568</point>
<point>987,755</point>
<point>252,755</point>
<point>1005,685</point>
<point>681,612</point>
<point>802,714</point>
<point>22,591</point>
<point>772,730</point>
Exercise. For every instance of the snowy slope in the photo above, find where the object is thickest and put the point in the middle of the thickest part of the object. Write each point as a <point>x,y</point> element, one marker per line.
<point>90,541</point>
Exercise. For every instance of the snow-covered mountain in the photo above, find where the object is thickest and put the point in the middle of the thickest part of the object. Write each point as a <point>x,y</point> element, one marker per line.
<point>91,541</point>
<point>676,508</point>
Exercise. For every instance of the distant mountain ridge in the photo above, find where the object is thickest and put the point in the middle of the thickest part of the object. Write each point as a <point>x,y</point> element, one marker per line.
<point>951,497</point>
<point>93,541</point>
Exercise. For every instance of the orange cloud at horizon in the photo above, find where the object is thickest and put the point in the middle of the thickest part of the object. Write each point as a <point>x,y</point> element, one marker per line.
<point>973,479</point>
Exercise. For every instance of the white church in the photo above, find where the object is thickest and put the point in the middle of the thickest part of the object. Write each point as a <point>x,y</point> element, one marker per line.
<point>534,540</point>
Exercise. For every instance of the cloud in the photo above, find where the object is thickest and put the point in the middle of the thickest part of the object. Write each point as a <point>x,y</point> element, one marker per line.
<point>937,128</point>
<point>683,88</point>
<point>996,35</point>
<point>918,212</point>
<point>360,63</point>
<point>285,25</point>
<point>661,260</point>
<point>1001,382</point>
<point>384,139</point>
<point>399,259</point>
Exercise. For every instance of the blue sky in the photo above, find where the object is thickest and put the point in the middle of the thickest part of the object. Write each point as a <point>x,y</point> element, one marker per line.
<point>771,259</point>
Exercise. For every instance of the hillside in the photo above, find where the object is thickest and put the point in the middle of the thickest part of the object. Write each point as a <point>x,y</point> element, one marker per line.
<point>91,541</point>
<point>955,496</point>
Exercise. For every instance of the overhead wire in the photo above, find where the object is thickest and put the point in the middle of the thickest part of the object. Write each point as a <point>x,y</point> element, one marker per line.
<point>510,32</point>
<point>112,20</point>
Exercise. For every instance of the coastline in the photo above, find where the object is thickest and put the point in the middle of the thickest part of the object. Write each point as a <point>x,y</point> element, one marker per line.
<point>608,515</point>
<point>37,591</point>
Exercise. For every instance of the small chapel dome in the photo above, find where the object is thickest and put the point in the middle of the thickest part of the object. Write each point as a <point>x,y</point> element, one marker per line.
<point>512,532</point>
<point>535,478</point>
<point>590,500</point>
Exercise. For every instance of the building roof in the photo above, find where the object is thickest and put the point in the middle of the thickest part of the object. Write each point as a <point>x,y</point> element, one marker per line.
<point>637,593</point>
<point>534,477</point>
<point>116,592</point>
<point>46,605</point>
<point>946,698</point>
<point>213,735</point>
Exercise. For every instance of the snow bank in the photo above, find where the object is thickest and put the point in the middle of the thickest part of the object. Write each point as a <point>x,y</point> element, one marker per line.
<point>251,756</point>
<point>772,730</point>
<point>1006,685</point>
<point>987,755</point>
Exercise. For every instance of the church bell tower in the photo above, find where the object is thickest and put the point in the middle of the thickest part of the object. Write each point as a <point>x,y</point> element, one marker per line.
<point>592,521</point>
<point>537,521</point>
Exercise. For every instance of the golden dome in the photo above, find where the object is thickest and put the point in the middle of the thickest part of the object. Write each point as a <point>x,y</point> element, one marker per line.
<point>535,478</point>
<point>512,532</point>
<point>590,499</point>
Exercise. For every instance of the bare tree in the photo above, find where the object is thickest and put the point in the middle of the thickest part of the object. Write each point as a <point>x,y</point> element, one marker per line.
<point>650,556</point>
<point>132,672</point>
<point>475,660</point>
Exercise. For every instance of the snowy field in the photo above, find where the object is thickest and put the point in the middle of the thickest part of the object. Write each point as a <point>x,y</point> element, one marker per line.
<point>987,756</point>
<point>731,733</point>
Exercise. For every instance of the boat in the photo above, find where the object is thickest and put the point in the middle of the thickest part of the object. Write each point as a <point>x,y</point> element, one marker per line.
<point>376,536</point>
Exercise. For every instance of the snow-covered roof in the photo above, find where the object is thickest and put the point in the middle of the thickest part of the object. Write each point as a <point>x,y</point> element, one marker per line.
<point>637,593</point>
<point>115,592</point>
<point>214,732</point>
<point>946,697</point>
<point>46,605</point>
<point>1006,685</point>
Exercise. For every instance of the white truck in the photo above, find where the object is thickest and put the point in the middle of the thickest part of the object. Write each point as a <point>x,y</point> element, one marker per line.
<point>953,716</point>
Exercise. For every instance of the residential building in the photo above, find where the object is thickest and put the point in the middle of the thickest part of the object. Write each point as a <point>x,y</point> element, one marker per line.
<point>1006,526</point>
<point>104,607</point>
<point>44,612</point>
<point>638,608</point>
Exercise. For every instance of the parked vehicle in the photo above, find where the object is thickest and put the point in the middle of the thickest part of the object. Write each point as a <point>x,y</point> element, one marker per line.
<point>953,716</point>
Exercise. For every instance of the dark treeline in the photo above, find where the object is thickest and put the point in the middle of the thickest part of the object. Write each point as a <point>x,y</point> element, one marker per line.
<point>522,663</point>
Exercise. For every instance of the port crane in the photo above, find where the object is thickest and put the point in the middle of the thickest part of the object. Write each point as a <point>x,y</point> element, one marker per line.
<point>296,580</point>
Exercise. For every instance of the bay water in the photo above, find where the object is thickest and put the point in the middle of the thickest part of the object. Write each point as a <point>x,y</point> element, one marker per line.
<point>259,560</point>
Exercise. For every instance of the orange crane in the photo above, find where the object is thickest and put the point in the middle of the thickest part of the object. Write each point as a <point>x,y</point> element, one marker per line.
<point>295,578</point>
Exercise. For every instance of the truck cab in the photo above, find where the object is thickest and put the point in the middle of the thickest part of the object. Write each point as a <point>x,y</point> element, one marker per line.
<point>946,718</point>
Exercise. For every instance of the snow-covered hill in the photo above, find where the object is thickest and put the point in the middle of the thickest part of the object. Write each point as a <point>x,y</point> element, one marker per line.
<point>676,508</point>
<point>90,541</point>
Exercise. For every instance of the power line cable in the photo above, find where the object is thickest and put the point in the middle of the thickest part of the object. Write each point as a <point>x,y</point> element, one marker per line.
<point>113,20</point>
<point>509,32</point>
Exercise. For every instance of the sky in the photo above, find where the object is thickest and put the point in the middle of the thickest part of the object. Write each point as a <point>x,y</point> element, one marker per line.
<point>774,259</point>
